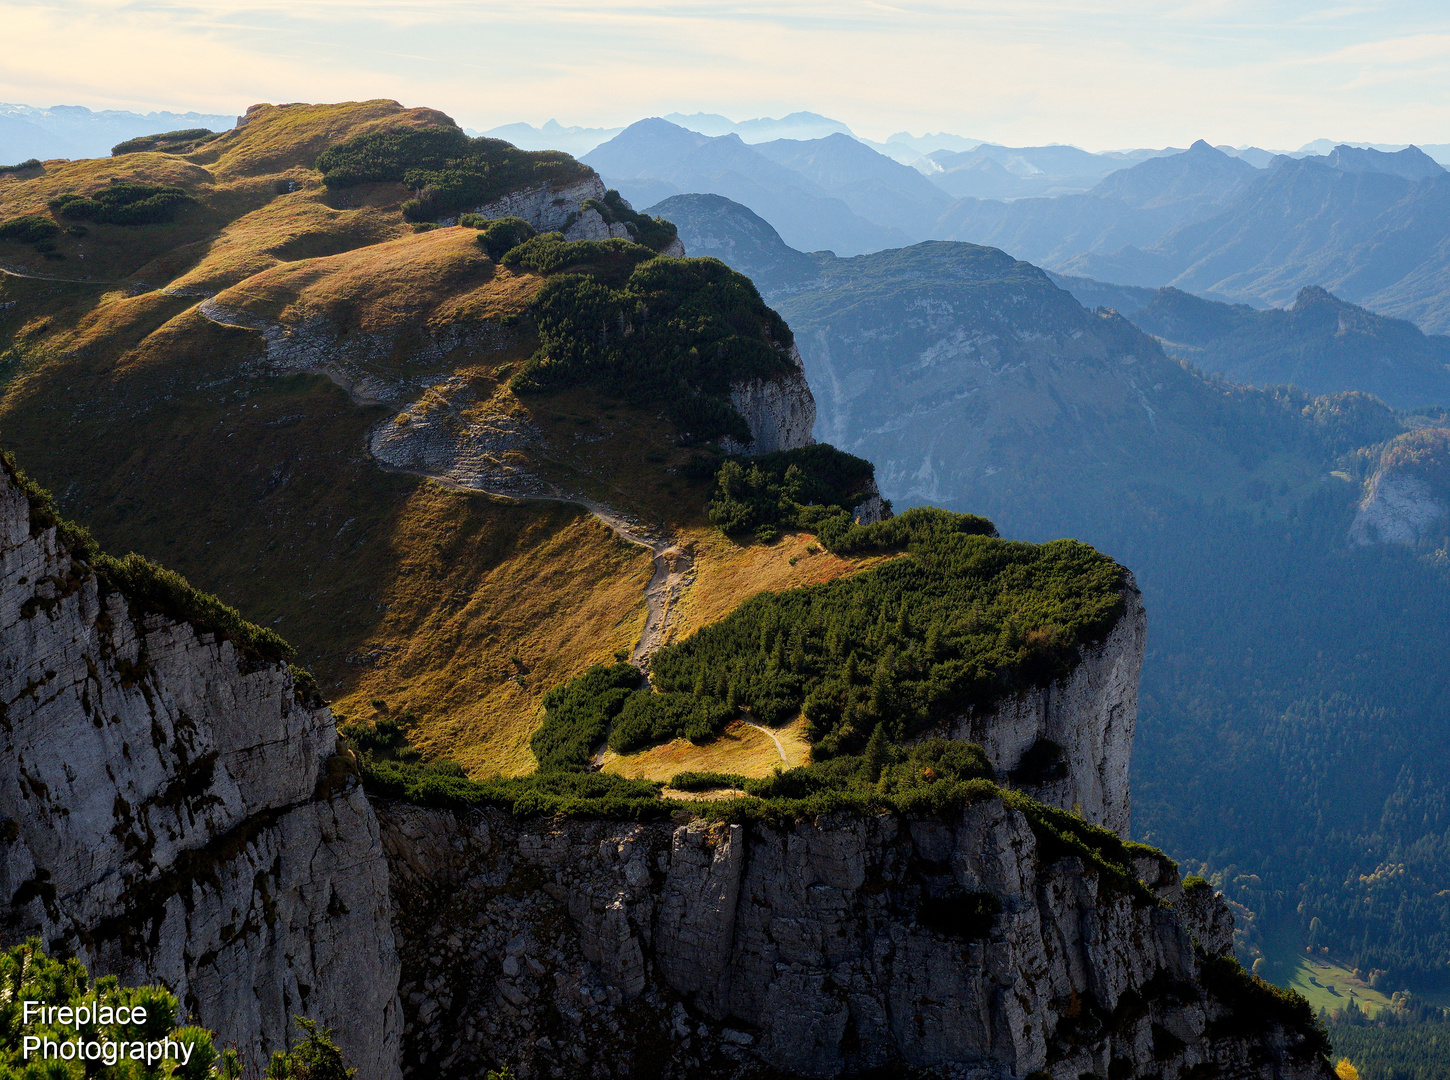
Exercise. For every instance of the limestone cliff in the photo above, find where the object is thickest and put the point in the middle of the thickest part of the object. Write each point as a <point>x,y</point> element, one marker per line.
<point>817,949</point>
<point>1069,744</point>
<point>167,815</point>
<point>550,209</point>
<point>781,412</point>
<point>1398,508</point>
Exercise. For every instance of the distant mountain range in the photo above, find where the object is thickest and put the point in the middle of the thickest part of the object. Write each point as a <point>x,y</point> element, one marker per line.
<point>71,131</point>
<point>1365,224</point>
<point>654,159</point>
<point>1002,172</point>
<point>1361,222</point>
<point>1320,343</point>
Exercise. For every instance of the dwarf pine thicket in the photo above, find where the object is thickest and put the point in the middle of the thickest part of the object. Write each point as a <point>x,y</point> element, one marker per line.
<point>962,620</point>
<point>650,328</point>
<point>448,171</point>
<point>124,203</point>
<point>767,494</point>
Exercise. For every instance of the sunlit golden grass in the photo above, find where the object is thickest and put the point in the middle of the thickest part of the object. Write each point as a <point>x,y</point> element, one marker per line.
<point>417,278</point>
<point>740,749</point>
<point>166,433</point>
<point>231,178</point>
<point>276,138</point>
<point>729,573</point>
<point>477,646</point>
<point>297,225</point>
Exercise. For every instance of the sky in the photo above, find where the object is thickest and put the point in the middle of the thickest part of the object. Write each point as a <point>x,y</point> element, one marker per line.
<point>1104,74</point>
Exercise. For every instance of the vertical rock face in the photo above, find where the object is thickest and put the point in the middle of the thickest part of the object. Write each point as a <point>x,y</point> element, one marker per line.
<point>169,816</point>
<point>1398,509</point>
<point>819,949</point>
<point>546,208</point>
<point>781,412</point>
<point>550,209</point>
<point>1070,744</point>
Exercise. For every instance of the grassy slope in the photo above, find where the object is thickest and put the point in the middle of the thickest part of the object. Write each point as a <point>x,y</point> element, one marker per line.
<point>157,428</point>
<point>740,749</point>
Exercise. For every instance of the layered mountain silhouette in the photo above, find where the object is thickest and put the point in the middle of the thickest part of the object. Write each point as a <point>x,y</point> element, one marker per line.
<point>1320,343</point>
<point>993,171</point>
<point>1367,225</point>
<point>654,159</point>
<point>1134,206</point>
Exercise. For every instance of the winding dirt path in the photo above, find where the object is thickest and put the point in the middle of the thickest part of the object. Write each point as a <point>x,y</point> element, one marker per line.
<point>779,749</point>
<point>673,568</point>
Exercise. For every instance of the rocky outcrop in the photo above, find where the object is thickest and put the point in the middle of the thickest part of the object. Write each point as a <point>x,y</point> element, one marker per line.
<point>550,209</point>
<point>1069,744</point>
<point>819,949</point>
<point>781,412</point>
<point>872,508</point>
<point>547,208</point>
<point>169,814</point>
<point>1399,508</point>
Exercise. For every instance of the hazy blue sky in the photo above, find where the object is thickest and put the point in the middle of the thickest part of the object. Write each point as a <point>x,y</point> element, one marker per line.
<point>1105,74</point>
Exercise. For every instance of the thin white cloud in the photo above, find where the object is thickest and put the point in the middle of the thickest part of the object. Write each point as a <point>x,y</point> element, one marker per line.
<point>1112,73</point>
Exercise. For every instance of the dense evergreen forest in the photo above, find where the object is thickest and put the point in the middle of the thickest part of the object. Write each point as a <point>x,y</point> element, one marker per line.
<point>1293,709</point>
<point>1413,1050</point>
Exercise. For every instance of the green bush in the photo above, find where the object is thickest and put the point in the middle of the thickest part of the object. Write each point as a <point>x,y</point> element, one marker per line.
<point>168,142</point>
<point>499,236</point>
<point>449,171</point>
<point>549,253</point>
<point>648,718</point>
<point>839,533</point>
<point>654,330</point>
<point>774,489</point>
<point>124,203</point>
<point>706,781</point>
<point>654,233</point>
<point>574,793</point>
<point>29,163</point>
<point>313,1057</point>
<point>27,973</point>
<point>577,715</point>
<point>29,229</point>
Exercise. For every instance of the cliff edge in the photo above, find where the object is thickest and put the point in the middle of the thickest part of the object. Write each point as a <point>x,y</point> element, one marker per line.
<point>169,815</point>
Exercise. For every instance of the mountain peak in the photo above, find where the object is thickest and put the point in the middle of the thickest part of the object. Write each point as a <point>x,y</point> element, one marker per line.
<point>1411,163</point>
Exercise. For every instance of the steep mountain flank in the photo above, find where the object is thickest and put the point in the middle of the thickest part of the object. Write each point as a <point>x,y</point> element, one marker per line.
<point>174,812</point>
<point>241,864</point>
<point>1405,501</point>
<point>306,337</point>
